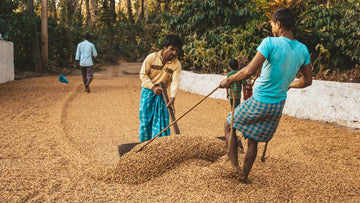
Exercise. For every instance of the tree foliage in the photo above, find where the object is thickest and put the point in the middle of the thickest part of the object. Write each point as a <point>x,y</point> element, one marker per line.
<point>333,34</point>
<point>111,38</point>
<point>208,28</point>
<point>213,31</point>
<point>17,27</point>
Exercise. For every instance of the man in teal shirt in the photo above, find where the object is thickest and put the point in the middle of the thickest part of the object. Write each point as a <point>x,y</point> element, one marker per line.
<point>280,58</point>
<point>85,51</point>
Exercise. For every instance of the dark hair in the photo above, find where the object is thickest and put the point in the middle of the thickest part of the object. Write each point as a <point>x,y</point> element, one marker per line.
<point>173,40</point>
<point>234,64</point>
<point>285,17</point>
<point>242,66</point>
<point>87,36</point>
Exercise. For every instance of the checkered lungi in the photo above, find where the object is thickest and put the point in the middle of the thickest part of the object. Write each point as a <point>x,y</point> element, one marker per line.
<point>153,115</point>
<point>257,120</point>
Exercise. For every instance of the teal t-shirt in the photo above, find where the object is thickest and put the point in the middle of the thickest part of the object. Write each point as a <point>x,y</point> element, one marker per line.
<point>284,57</point>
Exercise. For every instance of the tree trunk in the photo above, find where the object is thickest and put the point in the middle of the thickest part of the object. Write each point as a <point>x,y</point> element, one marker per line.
<point>78,11</point>
<point>44,35</point>
<point>93,11</point>
<point>69,12</point>
<point>120,7</point>
<point>129,12</point>
<point>146,11</point>
<point>76,5</point>
<point>137,9</point>
<point>125,6</point>
<point>36,47</point>
<point>88,16</point>
<point>141,9</point>
<point>112,11</point>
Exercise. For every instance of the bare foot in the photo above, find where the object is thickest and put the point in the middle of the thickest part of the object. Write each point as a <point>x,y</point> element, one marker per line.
<point>244,180</point>
<point>87,89</point>
<point>242,177</point>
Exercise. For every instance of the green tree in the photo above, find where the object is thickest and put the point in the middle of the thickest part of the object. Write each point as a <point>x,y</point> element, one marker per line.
<point>208,28</point>
<point>332,35</point>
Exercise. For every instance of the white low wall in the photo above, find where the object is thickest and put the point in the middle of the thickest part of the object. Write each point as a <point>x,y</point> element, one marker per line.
<point>7,72</point>
<point>323,101</point>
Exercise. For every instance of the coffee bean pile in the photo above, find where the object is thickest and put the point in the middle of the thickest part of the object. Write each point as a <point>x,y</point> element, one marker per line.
<point>162,155</point>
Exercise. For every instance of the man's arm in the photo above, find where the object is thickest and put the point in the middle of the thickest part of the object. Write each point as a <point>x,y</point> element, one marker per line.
<point>245,72</point>
<point>174,87</point>
<point>144,71</point>
<point>77,56</point>
<point>145,77</point>
<point>94,52</point>
<point>305,80</point>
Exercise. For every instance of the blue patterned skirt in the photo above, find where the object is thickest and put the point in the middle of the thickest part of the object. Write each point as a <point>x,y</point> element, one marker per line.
<point>257,120</point>
<point>153,115</point>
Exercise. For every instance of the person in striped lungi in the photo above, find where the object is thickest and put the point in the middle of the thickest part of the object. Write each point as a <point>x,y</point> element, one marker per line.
<point>234,92</point>
<point>162,66</point>
<point>237,86</point>
<point>280,58</point>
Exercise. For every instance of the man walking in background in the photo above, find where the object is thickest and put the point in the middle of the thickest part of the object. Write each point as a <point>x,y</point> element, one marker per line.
<point>162,66</point>
<point>85,51</point>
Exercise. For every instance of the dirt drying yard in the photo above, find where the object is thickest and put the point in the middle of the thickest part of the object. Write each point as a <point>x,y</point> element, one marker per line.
<point>59,144</point>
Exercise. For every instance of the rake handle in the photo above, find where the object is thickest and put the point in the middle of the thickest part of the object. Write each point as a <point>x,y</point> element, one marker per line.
<point>70,70</point>
<point>171,111</point>
<point>173,122</point>
<point>263,155</point>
